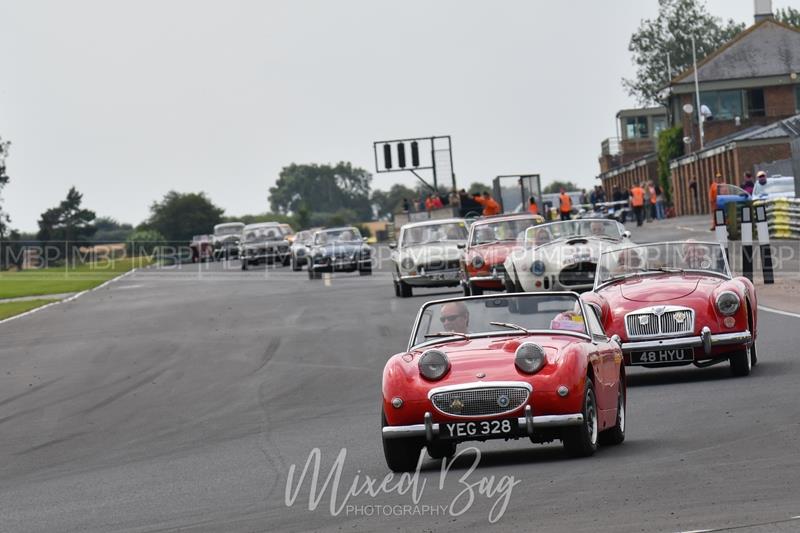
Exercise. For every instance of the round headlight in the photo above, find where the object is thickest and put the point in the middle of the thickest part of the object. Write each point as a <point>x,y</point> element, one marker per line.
<point>478,262</point>
<point>727,303</point>
<point>433,364</point>
<point>529,357</point>
<point>537,268</point>
<point>407,263</point>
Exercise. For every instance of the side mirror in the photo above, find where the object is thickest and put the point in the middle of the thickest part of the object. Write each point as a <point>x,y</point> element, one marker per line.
<point>393,245</point>
<point>626,234</point>
<point>616,338</point>
<point>461,246</point>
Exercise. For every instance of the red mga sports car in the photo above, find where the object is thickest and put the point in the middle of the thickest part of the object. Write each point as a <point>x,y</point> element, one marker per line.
<point>490,241</point>
<point>505,366</point>
<point>676,303</point>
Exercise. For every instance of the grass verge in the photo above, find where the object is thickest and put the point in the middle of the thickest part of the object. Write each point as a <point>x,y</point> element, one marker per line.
<point>9,309</point>
<point>65,279</point>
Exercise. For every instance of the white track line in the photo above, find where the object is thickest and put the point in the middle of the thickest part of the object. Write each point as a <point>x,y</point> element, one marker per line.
<point>778,311</point>
<point>71,298</point>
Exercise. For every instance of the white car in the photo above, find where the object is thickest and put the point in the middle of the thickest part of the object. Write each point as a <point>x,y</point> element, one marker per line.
<point>562,256</point>
<point>427,254</point>
<point>775,187</point>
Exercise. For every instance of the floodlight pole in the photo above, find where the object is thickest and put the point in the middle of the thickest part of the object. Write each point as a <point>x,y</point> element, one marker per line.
<point>700,117</point>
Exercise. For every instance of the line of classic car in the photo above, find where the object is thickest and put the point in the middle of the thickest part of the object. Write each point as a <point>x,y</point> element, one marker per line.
<point>551,364</point>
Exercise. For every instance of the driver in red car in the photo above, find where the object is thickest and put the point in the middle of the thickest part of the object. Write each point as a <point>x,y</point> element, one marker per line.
<point>455,317</point>
<point>695,255</point>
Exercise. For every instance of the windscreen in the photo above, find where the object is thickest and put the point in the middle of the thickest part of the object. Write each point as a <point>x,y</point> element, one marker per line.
<point>501,230</point>
<point>661,257</point>
<point>340,235</point>
<point>599,228</point>
<point>431,233</point>
<point>474,316</point>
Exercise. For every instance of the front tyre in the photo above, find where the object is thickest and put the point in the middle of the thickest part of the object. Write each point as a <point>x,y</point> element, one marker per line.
<point>365,271</point>
<point>441,450</point>
<point>295,266</point>
<point>581,441</point>
<point>405,289</point>
<point>402,454</point>
<point>741,363</point>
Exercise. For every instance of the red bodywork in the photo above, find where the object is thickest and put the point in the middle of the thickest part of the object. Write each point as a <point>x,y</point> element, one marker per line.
<point>493,255</point>
<point>696,291</point>
<point>569,359</point>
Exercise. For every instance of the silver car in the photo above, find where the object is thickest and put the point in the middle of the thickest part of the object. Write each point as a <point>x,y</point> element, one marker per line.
<point>428,254</point>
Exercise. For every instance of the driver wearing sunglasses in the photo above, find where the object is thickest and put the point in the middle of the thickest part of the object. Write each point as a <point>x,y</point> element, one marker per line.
<point>454,316</point>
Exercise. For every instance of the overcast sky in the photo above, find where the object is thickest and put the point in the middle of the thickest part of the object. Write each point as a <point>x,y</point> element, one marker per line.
<point>129,99</point>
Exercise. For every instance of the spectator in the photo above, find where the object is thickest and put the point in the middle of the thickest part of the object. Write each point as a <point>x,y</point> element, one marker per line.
<point>695,196</point>
<point>637,202</point>
<point>660,212</point>
<point>468,204</point>
<point>454,198</point>
<point>584,197</point>
<point>652,197</point>
<point>601,194</point>
<point>593,197</point>
<point>436,202</point>
<point>532,208</point>
<point>565,205</point>
<point>712,199</point>
<point>406,205</point>
<point>421,203</point>
<point>490,206</point>
<point>429,203</point>
<point>762,177</point>
<point>748,184</point>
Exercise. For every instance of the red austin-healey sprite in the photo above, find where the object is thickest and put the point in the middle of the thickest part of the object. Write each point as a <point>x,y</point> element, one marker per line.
<point>676,303</point>
<point>490,241</point>
<point>535,365</point>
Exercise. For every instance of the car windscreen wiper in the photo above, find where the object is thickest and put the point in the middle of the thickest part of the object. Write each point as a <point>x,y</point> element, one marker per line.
<point>509,325</point>
<point>447,334</point>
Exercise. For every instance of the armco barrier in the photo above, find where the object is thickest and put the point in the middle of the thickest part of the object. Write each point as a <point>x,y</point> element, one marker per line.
<point>783,217</point>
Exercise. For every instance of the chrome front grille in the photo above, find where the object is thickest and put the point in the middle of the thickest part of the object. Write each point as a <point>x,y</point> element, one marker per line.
<point>668,322</point>
<point>434,265</point>
<point>480,401</point>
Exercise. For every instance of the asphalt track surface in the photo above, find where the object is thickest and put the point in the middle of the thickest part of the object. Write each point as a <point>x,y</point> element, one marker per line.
<point>178,400</point>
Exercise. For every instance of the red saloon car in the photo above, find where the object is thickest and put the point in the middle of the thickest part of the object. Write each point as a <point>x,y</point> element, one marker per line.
<point>505,366</point>
<point>490,241</point>
<point>676,303</point>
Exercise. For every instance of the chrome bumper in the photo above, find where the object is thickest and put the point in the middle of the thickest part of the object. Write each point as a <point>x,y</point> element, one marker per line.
<point>485,278</point>
<point>706,339</point>
<point>437,276</point>
<point>527,425</point>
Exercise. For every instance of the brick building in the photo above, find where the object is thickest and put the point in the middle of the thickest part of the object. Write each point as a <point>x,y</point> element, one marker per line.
<point>747,90</point>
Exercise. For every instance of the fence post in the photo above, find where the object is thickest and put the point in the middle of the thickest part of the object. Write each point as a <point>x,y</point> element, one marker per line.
<point>721,230</point>
<point>763,242</point>
<point>747,242</point>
